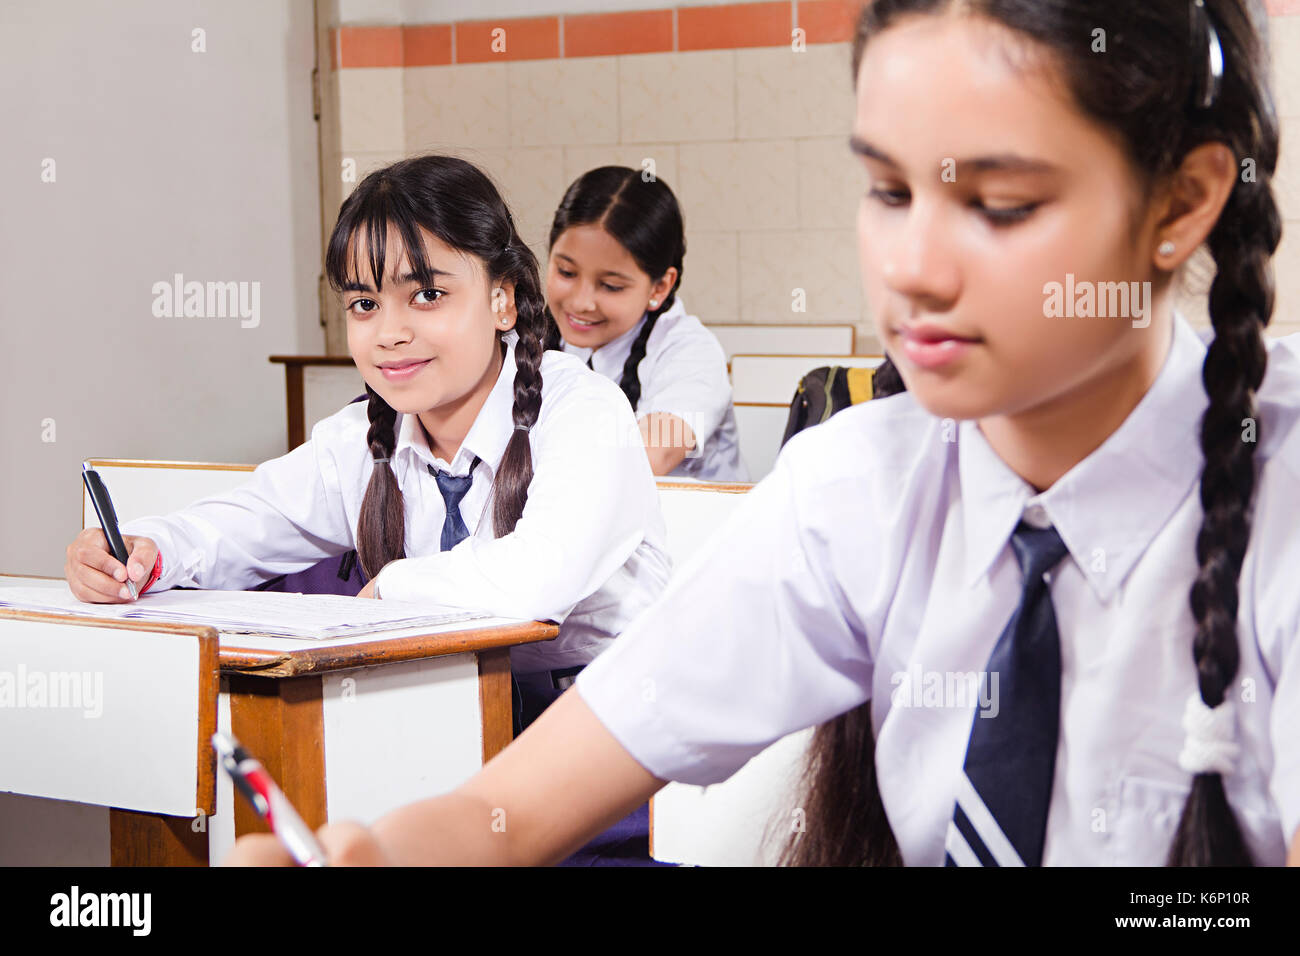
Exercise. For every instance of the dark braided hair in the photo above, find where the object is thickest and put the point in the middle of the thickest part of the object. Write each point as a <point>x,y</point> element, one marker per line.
<point>457,203</point>
<point>644,217</point>
<point>1148,88</point>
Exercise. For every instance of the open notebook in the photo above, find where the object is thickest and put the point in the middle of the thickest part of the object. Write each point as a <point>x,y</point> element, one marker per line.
<point>249,612</point>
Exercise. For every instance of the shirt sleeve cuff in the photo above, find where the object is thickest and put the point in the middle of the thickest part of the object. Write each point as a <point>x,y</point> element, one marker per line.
<point>178,568</point>
<point>629,714</point>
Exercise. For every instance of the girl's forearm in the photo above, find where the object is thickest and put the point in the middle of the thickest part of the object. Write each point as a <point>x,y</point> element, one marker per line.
<point>456,829</point>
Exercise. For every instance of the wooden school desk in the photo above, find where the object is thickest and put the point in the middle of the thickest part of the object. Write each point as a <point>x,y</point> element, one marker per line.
<point>351,728</point>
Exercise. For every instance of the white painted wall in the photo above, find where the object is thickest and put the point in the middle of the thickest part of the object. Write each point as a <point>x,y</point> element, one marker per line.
<point>167,161</point>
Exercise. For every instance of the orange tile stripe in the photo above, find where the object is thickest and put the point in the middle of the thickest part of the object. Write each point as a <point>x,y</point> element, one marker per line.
<point>609,34</point>
<point>734,25</point>
<point>426,45</point>
<point>767,23</point>
<point>486,41</point>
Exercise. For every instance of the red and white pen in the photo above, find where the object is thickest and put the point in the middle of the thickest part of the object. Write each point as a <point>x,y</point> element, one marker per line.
<point>252,780</point>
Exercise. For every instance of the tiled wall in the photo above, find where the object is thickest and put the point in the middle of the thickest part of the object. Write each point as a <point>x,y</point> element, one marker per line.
<point>749,134</point>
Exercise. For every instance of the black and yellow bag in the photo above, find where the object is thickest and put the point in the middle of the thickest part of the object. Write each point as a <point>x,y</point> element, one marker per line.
<point>825,391</point>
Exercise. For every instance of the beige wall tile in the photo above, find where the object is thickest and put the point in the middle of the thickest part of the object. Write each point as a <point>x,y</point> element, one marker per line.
<point>740,186</point>
<point>531,179</point>
<point>1286,276</point>
<point>1286,181</point>
<point>466,105</point>
<point>823,263</point>
<point>564,102</point>
<point>1284,39</point>
<point>370,110</point>
<point>677,97</point>
<point>783,93</point>
<point>831,184</point>
<point>579,159</point>
<point>710,280</point>
<point>867,343</point>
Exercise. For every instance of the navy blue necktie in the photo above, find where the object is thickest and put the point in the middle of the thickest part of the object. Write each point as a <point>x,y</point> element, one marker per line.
<point>1000,818</point>
<point>453,488</point>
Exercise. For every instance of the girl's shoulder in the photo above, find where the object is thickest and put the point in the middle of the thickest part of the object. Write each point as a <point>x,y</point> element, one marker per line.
<point>678,329</point>
<point>345,427</point>
<point>886,448</point>
<point>566,380</point>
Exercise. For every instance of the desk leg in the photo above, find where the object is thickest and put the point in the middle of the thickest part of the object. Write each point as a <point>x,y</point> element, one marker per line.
<point>281,722</point>
<point>295,404</point>
<point>150,839</point>
<point>495,703</point>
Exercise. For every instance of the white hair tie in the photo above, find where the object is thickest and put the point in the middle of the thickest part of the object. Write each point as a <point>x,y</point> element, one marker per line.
<point>1211,742</point>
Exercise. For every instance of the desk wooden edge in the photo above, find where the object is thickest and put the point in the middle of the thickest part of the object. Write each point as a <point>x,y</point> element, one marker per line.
<point>259,662</point>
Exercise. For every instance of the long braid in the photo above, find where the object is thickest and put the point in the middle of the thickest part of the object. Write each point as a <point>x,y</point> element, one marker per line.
<point>531,318</point>
<point>630,380</point>
<point>381,527</point>
<point>1241,303</point>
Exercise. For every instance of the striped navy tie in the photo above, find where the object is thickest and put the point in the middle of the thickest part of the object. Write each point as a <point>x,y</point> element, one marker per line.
<point>453,488</point>
<point>1003,791</point>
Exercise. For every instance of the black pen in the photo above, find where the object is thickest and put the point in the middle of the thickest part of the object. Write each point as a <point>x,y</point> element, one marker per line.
<point>107,519</point>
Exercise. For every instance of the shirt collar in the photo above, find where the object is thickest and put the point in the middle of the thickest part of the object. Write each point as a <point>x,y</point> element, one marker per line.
<point>487,437</point>
<point>1109,507</point>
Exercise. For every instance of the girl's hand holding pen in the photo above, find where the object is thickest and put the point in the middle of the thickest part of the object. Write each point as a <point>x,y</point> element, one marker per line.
<point>95,576</point>
<point>345,844</point>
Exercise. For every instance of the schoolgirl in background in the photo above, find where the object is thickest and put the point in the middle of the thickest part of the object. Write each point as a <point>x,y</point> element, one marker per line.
<point>1093,516</point>
<point>616,250</point>
<point>484,472</point>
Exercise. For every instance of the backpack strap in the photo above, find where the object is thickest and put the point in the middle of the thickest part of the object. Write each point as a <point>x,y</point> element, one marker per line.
<point>860,384</point>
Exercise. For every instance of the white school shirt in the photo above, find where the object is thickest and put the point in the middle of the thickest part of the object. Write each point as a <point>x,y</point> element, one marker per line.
<point>588,552</point>
<point>684,373</point>
<point>877,554</point>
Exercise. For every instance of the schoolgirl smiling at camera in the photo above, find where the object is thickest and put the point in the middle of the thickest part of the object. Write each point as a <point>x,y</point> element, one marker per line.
<point>483,472</point>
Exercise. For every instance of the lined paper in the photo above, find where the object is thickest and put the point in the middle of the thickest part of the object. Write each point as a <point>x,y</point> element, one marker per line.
<point>249,612</point>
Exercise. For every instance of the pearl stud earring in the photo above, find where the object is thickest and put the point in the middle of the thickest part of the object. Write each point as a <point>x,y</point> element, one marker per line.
<point>1167,248</point>
<point>654,303</point>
